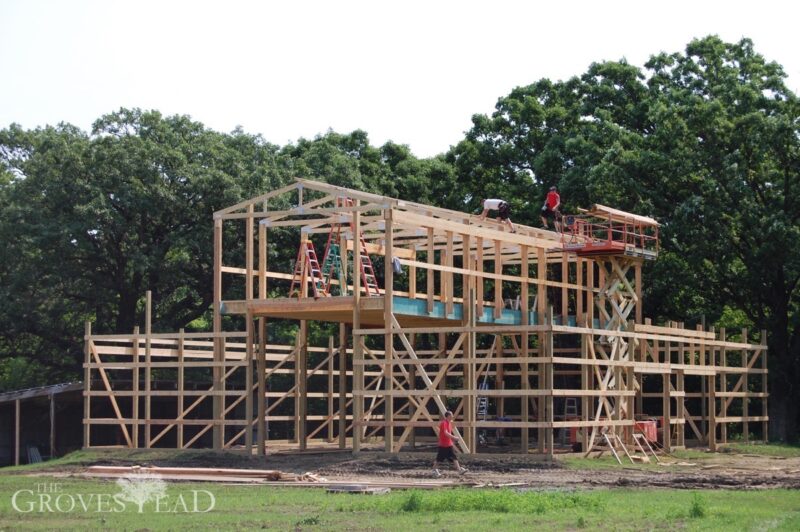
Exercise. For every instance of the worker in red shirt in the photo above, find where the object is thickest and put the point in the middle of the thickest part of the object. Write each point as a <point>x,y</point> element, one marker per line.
<point>552,209</point>
<point>446,449</point>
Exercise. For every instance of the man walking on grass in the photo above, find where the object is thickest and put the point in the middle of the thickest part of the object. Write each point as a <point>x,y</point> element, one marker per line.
<point>446,450</point>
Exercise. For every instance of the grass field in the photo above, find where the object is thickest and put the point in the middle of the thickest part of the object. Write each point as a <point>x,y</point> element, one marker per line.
<point>245,507</point>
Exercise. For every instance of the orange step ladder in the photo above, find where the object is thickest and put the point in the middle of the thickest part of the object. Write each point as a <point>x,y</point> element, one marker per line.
<point>306,266</point>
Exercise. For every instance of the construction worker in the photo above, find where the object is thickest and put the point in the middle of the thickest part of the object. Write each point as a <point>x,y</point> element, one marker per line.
<point>447,451</point>
<point>552,208</point>
<point>503,211</point>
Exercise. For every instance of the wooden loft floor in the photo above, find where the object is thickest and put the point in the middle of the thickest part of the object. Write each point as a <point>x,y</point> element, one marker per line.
<point>409,312</point>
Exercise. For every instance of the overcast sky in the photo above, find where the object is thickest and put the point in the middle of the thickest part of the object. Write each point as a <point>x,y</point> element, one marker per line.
<point>413,72</point>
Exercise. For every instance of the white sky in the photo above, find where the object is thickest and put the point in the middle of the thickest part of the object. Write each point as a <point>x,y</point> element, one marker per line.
<point>413,72</point>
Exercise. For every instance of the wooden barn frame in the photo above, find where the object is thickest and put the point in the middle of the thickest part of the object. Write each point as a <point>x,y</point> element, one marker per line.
<point>535,337</point>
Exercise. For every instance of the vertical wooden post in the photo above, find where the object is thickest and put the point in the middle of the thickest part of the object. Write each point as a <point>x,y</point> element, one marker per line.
<point>564,289</point>
<point>248,243</point>
<point>388,323</point>
<point>586,375</point>
<point>261,428</point>
<point>479,278</point>
<point>249,294</point>
<point>148,319</point>
<point>468,293</point>
<point>764,389</point>
<point>135,387</point>
<point>329,394</point>
<point>261,365</point>
<point>541,311</point>
<point>248,379</point>
<point>498,283</point>
<point>666,410</point>
<point>549,410</point>
<point>590,265</point>
<point>412,278</point>
<point>448,294</point>
<point>87,384</point>
<point>580,293</point>
<point>181,386</point>
<point>637,271</point>
<point>723,385</point>
<point>219,355</point>
<point>712,414</point>
<point>358,351</point>
<point>301,374</point>
<point>524,367</point>
<point>52,398</point>
<point>745,389</point>
<point>17,413</point>
<point>343,383</point>
<point>431,255</point>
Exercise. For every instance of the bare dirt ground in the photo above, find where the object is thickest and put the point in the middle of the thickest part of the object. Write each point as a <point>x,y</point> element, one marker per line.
<point>699,471</point>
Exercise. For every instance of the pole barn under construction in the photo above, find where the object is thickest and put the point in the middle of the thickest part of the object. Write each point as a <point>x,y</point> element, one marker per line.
<point>534,339</point>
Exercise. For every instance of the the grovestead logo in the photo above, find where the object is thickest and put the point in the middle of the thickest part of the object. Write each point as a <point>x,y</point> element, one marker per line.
<point>138,492</point>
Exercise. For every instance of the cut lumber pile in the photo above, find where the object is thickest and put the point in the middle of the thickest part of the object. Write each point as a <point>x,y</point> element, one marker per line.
<point>205,474</point>
<point>263,477</point>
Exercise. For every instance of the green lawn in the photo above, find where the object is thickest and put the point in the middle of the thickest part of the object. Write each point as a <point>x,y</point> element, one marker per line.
<point>244,507</point>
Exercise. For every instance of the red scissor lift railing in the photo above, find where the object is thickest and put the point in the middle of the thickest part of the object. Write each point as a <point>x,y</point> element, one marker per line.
<point>602,230</point>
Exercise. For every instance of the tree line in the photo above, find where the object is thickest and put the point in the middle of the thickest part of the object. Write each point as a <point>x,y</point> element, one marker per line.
<point>706,140</point>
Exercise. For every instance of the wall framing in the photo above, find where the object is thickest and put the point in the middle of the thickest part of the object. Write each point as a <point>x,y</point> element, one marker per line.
<point>559,339</point>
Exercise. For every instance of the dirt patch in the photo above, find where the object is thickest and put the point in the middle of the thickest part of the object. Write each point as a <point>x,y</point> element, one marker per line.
<point>711,471</point>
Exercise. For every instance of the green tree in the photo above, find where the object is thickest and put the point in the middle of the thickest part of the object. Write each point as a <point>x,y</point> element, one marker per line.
<point>707,142</point>
<point>91,222</point>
